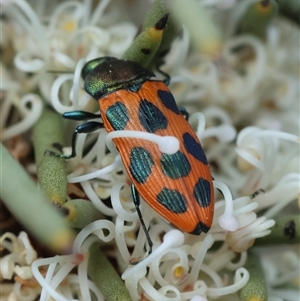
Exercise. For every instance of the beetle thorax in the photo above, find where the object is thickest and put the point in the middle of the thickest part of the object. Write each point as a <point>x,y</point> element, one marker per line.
<point>113,75</point>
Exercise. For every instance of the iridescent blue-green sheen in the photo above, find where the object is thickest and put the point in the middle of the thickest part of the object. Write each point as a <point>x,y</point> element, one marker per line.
<point>173,200</point>
<point>141,163</point>
<point>202,192</point>
<point>151,117</point>
<point>117,116</point>
<point>194,148</point>
<point>168,100</point>
<point>106,75</point>
<point>175,166</point>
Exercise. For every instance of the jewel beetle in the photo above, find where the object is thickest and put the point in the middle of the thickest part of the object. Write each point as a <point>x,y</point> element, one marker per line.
<point>177,186</point>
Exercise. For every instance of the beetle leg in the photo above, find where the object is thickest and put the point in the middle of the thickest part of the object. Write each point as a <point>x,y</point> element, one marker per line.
<point>85,128</point>
<point>184,113</point>
<point>136,201</point>
<point>168,78</point>
<point>80,115</point>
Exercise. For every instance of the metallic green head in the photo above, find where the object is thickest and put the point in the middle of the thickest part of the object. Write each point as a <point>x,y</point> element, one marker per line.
<point>107,74</point>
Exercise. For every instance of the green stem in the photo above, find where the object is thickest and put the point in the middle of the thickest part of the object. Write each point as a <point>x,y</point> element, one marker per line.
<point>255,289</point>
<point>171,31</point>
<point>105,276</point>
<point>199,23</point>
<point>30,206</point>
<point>81,212</point>
<point>257,18</point>
<point>51,171</point>
<point>145,45</point>
<point>285,231</point>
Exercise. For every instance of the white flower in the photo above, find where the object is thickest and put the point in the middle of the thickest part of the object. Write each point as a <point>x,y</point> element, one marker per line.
<point>17,265</point>
<point>247,125</point>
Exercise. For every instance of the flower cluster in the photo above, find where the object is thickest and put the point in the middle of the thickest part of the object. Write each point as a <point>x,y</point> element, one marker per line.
<point>247,125</point>
<point>16,265</point>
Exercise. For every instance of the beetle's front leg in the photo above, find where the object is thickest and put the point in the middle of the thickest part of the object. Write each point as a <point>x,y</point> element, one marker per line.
<point>85,128</point>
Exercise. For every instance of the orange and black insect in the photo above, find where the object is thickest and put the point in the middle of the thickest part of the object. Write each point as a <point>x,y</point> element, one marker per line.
<point>178,186</point>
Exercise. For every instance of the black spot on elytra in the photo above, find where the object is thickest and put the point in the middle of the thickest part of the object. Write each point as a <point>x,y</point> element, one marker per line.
<point>202,192</point>
<point>175,166</point>
<point>168,100</point>
<point>151,117</point>
<point>141,163</point>
<point>173,200</point>
<point>201,227</point>
<point>193,147</point>
<point>117,116</point>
